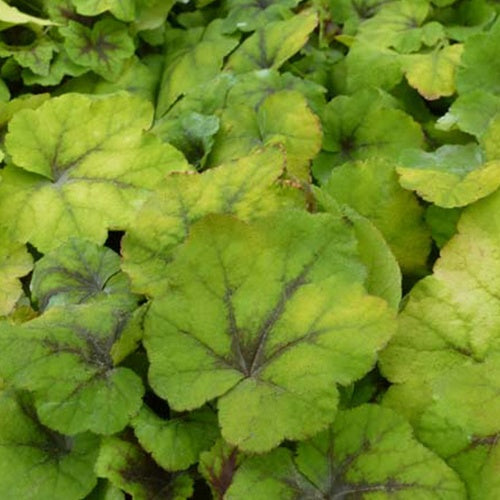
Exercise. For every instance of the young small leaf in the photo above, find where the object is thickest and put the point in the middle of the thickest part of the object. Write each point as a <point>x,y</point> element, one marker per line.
<point>176,443</point>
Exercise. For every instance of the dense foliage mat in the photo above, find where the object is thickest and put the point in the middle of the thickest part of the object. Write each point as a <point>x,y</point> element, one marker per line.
<point>249,249</point>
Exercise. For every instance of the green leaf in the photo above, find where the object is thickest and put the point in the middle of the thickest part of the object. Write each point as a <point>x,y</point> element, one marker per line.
<point>193,57</point>
<point>368,451</point>
<point>451,318</point>
<point>351,13</point>
<point>218,466</point>
<point>471,112</point>
<point>384,276</point>
<point>468,18</point>
<point>442,223</point>
<point>38,463</point>
<point>249,15</point>
<point>104,48</point>
<point>371,66</point>
<point>362,126</point>
<point>433,74</point>
<point>121,9</point>
<point>282,118</point>
<point>192,133</point>
<point>86,166</point>
<point>253,87</point>
<point>401,25</point>
<point>249,346</point>
<point>78,272</point>
<point>176,444</point>
<point>273,44</point>
<point>371,187</point>
<point>64,356</point>
<point>459,429</point>
<point>245,188</point>
<point>105,491</point>
<point>130,468</point>
<point>60,66</point>
<point>15,262</point>
<point>480,66</point>
<point>11,15</point>
<point>37,57</point>
<point>451,176</point>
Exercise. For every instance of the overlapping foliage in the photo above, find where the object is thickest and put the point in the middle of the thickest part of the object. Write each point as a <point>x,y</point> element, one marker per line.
<point>249,249</point>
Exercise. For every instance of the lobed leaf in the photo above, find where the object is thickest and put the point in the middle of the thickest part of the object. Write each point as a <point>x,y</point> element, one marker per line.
<point>256,348</point>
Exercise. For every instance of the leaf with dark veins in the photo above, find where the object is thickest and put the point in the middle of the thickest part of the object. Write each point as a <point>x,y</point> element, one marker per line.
<point>130,468</point>
<point>218,466</point>
<point>64,357</point>
<point>82,165</point>
<point>105,48</point>
<point>281,314</point>
<point>77,272</point>
<point>37,463</point>
<point>247,188</point>
<point>368,452</point>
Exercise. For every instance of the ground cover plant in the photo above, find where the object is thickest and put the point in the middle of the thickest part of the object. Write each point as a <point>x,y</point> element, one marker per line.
<point>249,249</point>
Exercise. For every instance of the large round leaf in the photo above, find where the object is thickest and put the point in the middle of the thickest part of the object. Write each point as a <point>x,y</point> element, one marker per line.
<point>266,317</point>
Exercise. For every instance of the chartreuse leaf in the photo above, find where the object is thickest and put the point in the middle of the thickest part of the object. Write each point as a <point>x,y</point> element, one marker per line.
<point>401,25</point>
<point>433,74</point>
<point>176,443</point>
<point>248,15</point>
<point>371,187</point>
<point>269,354</point>
<point>282,118</point>
<point>369,451</point>
<point>79,271</point>
<point>459,429</point>
<point>85,166</point>
<point>11,15</point>
<point>26,101</point>
<point>130,468</point>
<point>104,48</point>
<point>121,9</point>
<point>480,66</point>
<point>273,44</point>
<point>451,318</point>
<point>218,466</point>
<point>244,188</point>
<point>193,57</point>
<point>384,276</point>
<point>15,262</point>
<point>38,463</point>
<point>471,112</point>
<point>452,176</point>
<point>64,356</point>
<point>362,126</point>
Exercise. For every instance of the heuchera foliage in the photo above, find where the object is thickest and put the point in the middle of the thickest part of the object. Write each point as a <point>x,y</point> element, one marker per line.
<point>249,249</point>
